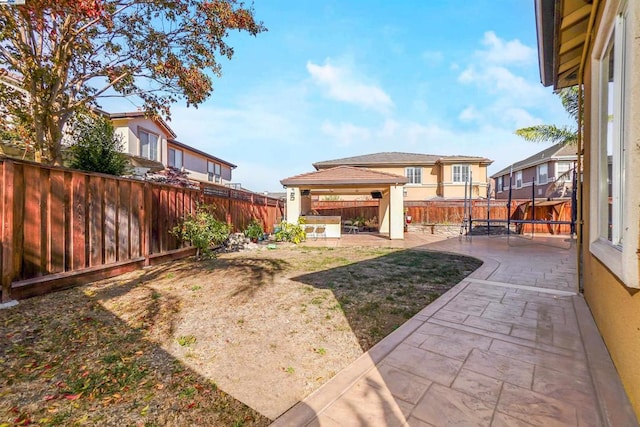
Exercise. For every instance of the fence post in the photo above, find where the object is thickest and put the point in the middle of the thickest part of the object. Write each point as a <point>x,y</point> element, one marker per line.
<point>7,192</point>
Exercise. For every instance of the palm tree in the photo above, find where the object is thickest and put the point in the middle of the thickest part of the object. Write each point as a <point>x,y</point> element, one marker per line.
<point>552,133</point>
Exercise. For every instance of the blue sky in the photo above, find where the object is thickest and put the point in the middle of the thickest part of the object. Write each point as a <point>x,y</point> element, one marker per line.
<point>340,78</point>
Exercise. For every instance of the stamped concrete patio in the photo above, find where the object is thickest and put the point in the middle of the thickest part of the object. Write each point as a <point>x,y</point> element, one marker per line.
<point>513,344</point>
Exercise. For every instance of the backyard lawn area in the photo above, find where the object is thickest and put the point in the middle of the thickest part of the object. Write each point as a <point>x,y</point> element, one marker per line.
<point>234,341</point>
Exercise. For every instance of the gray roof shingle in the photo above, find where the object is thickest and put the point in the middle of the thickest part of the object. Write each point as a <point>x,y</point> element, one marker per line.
<point>395,159</point>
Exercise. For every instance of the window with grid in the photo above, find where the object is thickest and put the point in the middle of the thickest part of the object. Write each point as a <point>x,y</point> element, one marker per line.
<point>564,172</point>
<point>519,179</point>
<point>460,173</point>
<point>414,175</point>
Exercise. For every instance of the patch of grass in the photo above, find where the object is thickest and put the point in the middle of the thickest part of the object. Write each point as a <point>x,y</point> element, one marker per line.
<point>186,340</point>
<point>196,288</point>
<point>170,276</point>
<point>155,295</point>
<point>321,351</point>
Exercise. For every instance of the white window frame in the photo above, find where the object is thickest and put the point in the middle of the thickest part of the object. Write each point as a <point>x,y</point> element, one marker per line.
<point>540,175</point>
<point>176,154</point>
<point>151,141</point>
<point>518,179</point>
<point>459,176</point>
<point>617,250</point>
<point>560,174</point>
<point>499,186</point>
<point>414,175</point>
<point>210,171</point>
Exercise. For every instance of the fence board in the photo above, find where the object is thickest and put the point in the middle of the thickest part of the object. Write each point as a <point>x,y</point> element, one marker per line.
<point>97,221</point>
<point>31,259</point>
<point>136,228</point>
<point>79,223</point>
<point>124,221</point>
<point>110,210</point>
<point>56,223</point>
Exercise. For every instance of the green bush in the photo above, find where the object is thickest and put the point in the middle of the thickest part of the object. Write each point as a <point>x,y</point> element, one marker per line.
<point>293,233</point>
<point>96,148</point>
<point>202,230</point>
<point>254,230</point>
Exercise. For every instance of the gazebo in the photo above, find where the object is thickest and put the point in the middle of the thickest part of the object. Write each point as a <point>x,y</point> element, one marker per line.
<point>349,180</point>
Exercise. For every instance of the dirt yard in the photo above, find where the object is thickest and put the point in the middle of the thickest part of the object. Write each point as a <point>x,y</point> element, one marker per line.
<point>233,341</point>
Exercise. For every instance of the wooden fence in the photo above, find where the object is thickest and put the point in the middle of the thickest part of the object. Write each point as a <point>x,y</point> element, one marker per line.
<point>61,227</point>
<point>452,212</point>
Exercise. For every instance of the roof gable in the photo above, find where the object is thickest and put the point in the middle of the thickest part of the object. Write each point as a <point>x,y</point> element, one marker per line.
<point>396,159</point>
<point>552,153</point>
<point>344,175</point>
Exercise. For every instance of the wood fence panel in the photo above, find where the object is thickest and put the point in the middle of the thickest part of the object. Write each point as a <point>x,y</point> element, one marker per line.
<point>79,223</point>
<point>137,208</point>
<point>56,221</point>
<point>97,223</point>
<point>124,221</point>
<point>31,258</point>
<point>155,217</point>
<point>110,231</point>
<point>8,208</point>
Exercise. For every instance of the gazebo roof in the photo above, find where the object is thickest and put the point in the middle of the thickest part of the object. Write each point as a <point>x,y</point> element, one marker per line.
<point>344,175</point>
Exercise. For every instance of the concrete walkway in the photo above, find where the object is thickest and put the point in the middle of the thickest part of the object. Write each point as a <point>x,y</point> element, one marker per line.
<point>513,344</point>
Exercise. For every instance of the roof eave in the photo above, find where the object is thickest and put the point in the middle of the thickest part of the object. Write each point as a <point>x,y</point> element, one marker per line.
<point>545,11</point>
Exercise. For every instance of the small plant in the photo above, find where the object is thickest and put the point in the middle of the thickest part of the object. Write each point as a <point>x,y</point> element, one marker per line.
<point>321,351</point>
<point>254,230</point>
<point>293,233</point>
<point>186,340</point>
<point>196,288</point>
<point>203,230</point>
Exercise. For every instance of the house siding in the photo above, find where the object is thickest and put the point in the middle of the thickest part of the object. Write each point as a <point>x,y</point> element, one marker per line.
<point>615,307</point>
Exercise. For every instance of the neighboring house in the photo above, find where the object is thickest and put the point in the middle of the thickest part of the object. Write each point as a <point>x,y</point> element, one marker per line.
<point>152,145</point>
<point>200,165</point>
<point>551,169</point>
<point>597,43</point>
<point>429,176</point>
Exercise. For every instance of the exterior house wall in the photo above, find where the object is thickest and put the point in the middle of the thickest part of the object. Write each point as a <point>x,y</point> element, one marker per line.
<point>455,190</point>
<point>528,175</point>
<point>615,307</point>
<point>196,164</point>
<point>426,190</point>
<point>129,129</point>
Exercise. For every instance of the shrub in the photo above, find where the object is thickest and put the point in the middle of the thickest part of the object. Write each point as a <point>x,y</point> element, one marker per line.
<point>202,230</point>
<point>293,233</point>
<point>254,230</point>
<point>96,148</point>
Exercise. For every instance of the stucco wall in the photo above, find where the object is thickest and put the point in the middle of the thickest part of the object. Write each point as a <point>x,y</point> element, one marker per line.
<point>615,308</point>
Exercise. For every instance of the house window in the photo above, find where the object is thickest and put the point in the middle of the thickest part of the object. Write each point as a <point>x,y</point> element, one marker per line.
<point>460,173</point>
<point>210,171</point>
<point>148,145</point>
<point>563,172</point>
<point>414,175</point>
<point>499,185</point>
<point>611,162</point>
<point>519,179</point>
<point>543,173</point>
<point>175,158</point>
<point>613,192</point>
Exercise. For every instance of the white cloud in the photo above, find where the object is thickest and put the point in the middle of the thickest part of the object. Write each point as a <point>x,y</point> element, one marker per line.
<point>342,85</point>
<point>346,133</point>
<point>505,52</point>
<point>469,114</point>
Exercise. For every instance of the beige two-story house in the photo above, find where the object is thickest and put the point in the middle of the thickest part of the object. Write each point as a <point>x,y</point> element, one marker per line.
<point>152,145</point>
<point>429,176</point>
